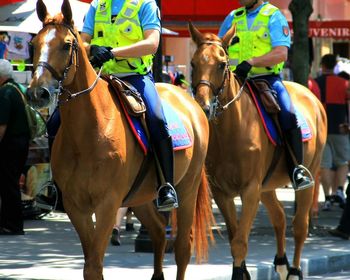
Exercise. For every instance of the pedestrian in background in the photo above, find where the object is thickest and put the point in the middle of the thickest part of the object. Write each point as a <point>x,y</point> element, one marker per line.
<point>14,146</point>
<point>334,164</point>
<point>343,229</point>
<point>129,226</point>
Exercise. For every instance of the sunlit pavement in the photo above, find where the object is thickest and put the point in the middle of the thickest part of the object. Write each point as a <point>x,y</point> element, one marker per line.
<point>51,250</point>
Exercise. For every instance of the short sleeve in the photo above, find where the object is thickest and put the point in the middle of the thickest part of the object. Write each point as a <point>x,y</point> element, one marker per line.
<point>226,25</point>
<point>279,30</point>
<point>149,15</point>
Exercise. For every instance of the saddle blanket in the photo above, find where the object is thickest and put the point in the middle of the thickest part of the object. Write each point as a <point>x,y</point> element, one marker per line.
<point>271,128</point>
<point>178,132</point>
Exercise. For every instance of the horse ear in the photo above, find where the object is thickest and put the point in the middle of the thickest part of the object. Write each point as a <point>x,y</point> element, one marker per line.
<point>228,37</point>
<point>66,11</point>
<point>196,35</point>
<point>41,10</point>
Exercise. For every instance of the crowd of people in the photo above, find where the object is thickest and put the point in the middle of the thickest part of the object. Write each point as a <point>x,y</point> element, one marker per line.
<point>333,90</point>
<point>134,65</point>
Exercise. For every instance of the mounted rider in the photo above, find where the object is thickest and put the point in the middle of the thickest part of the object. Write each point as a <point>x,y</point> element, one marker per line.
<point>259,50</point>
<point>123,35</point>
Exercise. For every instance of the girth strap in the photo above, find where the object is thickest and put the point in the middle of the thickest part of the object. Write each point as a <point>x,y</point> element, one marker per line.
<point>146,163</point>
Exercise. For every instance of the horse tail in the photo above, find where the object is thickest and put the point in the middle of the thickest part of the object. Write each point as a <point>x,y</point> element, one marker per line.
<point>203,220</point>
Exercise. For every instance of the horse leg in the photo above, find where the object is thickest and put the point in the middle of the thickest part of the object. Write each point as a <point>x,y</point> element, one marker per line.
<point>187,192</point>
<point>83,224</point>
<point>155,224</point>
<point>105,214</point>
<point>227,208</point>
<point>278,221</point>
<point>239,244</point>
<point>300,228</point>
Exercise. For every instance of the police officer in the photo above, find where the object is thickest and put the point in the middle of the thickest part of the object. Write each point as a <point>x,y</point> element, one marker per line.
<point>123,35</point>
<point>260,49</point>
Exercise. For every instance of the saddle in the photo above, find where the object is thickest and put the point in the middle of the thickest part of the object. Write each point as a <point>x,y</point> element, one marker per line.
<point>268,96</point>
<point>128,94</point>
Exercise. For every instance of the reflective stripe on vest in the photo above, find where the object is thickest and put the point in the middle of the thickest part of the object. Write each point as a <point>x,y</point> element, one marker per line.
<point>253,42</point>
<point>125,31</point>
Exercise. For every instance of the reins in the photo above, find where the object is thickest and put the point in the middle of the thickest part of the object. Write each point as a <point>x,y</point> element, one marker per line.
<point>76,94</point>
<point>238,95</point>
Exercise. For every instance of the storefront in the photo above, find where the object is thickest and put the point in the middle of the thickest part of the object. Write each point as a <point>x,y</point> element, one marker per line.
<point>329,27</point>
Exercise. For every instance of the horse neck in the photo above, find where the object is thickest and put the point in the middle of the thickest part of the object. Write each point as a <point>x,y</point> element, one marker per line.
<point>239,109</point>
<point>87,113</point>
<point>85,74</point>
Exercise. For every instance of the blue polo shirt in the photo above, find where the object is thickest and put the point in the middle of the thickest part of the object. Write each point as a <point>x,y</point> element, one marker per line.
<point>277,24</point>
<point>149,15</point>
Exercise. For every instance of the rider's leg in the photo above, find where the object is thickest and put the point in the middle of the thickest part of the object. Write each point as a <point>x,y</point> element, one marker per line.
<point>52,126</point>
<point>157,125</point>
<point>300,176</point>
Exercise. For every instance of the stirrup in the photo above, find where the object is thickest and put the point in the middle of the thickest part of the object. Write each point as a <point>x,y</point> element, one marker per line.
<point>308,183</point>
<point>167,205</point>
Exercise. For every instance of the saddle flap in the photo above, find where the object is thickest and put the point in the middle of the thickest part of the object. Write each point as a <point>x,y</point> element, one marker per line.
<point>130,97</point>
<point>267,95</point>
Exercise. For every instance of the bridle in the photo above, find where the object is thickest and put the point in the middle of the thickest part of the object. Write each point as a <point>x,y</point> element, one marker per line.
<point>74,51</point>
<point>216,108</point>
<point>60,78</point>
<point>220,89</point>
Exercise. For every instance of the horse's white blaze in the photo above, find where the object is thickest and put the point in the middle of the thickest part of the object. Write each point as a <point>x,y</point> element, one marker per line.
<point>45,50</point>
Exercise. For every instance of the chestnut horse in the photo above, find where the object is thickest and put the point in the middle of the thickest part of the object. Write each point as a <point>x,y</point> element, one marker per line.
<point>240,153</point>
<point>96,158</point>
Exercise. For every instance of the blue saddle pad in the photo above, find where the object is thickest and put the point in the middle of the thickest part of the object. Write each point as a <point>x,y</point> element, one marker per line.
<point>270,127</point>
<point>181,138</point>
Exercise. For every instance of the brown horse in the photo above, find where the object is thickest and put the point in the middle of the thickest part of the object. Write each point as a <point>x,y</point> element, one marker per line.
<point>96,158</point>
<point>240,153</point>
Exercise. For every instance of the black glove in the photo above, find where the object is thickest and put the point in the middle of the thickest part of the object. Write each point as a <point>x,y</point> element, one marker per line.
<point>100,55</point>
<point>243,69</point>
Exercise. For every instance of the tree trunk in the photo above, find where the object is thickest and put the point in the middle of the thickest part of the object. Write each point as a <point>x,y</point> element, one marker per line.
<point>301,11</point>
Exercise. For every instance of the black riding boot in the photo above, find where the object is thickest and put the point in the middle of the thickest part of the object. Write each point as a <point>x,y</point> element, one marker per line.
<point>167,198</point>
<point>300,176</point>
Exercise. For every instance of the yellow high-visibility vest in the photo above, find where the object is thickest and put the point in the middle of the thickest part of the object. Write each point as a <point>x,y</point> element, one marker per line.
<point>126,30</point>
<point>253,42</point>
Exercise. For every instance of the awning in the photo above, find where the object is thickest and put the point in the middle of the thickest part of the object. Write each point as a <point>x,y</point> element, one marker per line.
<point>22,17</point>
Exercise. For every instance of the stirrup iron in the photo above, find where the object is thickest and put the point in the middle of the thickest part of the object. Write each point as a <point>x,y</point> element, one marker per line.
<point>308,174</point>
<point>169,207</point>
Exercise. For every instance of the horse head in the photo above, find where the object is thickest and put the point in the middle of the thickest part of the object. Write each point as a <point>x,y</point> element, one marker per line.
<point>210,68</point>
<point>55,54</point>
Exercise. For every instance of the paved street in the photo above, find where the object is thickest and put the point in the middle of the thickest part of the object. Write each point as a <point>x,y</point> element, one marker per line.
<point>51,250</point>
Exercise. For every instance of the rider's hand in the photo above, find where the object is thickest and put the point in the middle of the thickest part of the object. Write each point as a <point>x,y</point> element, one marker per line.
<point>100,55</point>
<point>243,69</point>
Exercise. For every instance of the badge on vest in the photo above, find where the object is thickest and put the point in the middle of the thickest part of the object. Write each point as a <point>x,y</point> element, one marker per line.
<point>128,29</point>
<point>103,8</point>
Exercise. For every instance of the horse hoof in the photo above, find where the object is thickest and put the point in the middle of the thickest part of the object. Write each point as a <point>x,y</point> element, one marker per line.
<point>281,266</point>
<point>281,261</point>
<point>239,272</point>
<point>295,274</point>
<point>161,277</point>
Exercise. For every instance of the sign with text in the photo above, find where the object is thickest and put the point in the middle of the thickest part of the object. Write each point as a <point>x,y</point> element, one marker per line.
<point>329,29</point>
